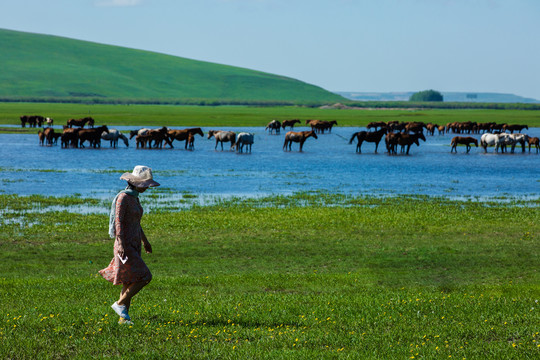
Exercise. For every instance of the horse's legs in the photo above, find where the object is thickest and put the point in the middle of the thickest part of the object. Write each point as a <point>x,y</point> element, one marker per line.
<point>468,148</point>
<point>376,146</point>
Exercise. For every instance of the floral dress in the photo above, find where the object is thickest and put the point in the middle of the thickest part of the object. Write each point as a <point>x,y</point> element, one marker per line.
<point>129,234</point>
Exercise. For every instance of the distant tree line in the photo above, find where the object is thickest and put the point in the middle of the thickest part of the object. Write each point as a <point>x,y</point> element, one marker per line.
<point>270,103</point>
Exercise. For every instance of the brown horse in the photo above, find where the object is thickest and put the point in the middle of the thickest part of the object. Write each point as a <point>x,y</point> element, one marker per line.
<point>533,141</point>
<point>92,135</point>
<point>223,136</point>
<point>41,136</point>
<point>158,136</point>
<point>406,140</point>
<point>182,135</point>
<point>70,137</point>
<point>464,140</point>
<point>299,137</point>
<point>289,123</point>
<point>369,136</point>
<point>320,126</point>
<point>81,122</point>
<point>391,141</point>
<point>143,140</point>
<point>376,125</point>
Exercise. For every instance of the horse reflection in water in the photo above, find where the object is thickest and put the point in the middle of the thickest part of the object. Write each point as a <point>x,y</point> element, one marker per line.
<point>222,136</point>
<point>299,137</point>
<point>113,135</point>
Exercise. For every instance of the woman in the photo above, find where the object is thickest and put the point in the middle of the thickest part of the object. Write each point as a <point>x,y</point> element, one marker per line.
<point>127,267</point>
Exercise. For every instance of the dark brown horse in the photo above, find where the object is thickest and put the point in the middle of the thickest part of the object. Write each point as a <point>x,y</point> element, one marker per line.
<point>391,140</point>
<point>158,136</point>
<point>406,140</point>
<point>299,137</point>
<point>81,122</point>
<point>376,124</point>
<point>369,136</point>
<point>92,135</point>
<point>534,141</point>
<point>289,123</point>
<point>513,128</point>
<point>182,135</point>
<point>70,137</point>
<point>463,140</point>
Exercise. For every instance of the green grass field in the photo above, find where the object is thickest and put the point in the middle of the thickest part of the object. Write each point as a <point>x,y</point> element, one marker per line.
<point>48,67</point>
<point>404,277</point>
<point>206,116</point>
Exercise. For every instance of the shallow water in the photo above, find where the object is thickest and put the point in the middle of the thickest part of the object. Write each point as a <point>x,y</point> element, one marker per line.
<point>328,163</point>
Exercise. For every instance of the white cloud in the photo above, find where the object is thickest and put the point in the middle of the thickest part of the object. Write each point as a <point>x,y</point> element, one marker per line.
<point>117,3</point>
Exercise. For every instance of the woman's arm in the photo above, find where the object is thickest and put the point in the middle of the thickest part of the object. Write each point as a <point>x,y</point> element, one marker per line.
<point>120,226</point>
<point>146,243</point>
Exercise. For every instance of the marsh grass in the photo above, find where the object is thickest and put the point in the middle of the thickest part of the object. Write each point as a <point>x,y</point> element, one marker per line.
<point>211,116</point>
<point>307,276</point>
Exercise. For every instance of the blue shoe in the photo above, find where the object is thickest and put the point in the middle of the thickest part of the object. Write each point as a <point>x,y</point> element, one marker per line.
<point>121,310</point>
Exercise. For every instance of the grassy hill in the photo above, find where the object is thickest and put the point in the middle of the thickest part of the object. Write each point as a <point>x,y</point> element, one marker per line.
<point>42,67</point>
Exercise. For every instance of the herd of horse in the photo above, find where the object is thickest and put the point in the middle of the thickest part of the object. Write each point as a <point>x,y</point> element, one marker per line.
<point>396,134</point>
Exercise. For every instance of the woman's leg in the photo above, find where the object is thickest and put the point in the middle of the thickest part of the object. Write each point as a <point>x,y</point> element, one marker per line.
<point>129,291</point>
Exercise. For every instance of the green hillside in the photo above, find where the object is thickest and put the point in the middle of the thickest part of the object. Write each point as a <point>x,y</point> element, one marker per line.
<point>53,68</point>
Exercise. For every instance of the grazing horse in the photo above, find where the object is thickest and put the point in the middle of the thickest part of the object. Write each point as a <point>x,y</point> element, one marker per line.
<point>32,120</point>
<point>81,122</point>
<point>113,135</point>
<point>273,125</point>
<point>534,141</point>
<point>513,128</point>
<point>299,137</point>
<point>181,135</point>
<point>289,123</point>
<point>406,140</point>
<point>242,139</point>
<point>92,135</point>
<point>369,136</point>
<point>222,136</point>
<point>467,141</point>
<point>376,124</point>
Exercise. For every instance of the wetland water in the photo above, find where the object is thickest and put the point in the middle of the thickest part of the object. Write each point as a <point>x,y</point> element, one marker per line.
<point>327,164</point>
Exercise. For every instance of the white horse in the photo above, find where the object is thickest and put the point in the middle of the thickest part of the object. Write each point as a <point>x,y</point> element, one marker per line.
<point>242,139</point>
<point>489,139</point>
<point>49,121</point>
<point>113,136</point>
<point>515,139</point>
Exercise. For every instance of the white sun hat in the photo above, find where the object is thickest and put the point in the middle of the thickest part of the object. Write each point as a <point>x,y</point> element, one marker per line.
<point>140,177</point>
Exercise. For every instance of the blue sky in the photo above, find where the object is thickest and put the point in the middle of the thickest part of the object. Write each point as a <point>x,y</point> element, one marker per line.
<point>340,45</point>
